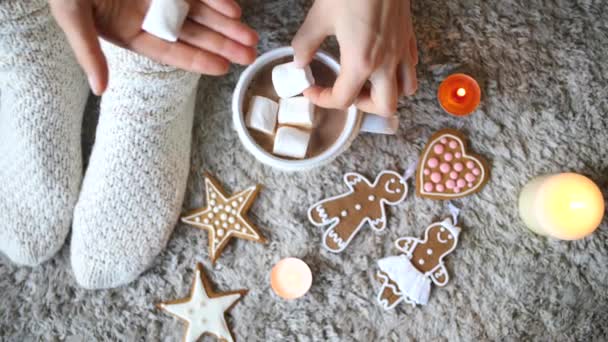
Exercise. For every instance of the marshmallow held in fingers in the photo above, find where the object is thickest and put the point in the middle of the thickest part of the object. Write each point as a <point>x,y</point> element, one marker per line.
<point>262,114</point>
<point>296,111</point>
<point>380,124</point>
<point>290,80</point>
<point>165,18</point>
<point>291,142</point>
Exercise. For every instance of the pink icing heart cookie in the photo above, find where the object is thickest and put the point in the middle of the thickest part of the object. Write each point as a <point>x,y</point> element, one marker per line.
<point>446,170</point>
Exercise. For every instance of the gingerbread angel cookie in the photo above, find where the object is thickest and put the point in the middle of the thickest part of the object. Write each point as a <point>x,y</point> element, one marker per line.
<point>407,277</point>
<point>447,170</point>
<point>363,204</point>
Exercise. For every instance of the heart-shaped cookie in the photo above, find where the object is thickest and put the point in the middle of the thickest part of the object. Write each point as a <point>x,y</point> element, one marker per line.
<point>446,170</point>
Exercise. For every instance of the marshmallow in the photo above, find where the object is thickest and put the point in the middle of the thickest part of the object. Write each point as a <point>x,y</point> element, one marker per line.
<point>380,124</point>
<point>165,18</point>
<point>262,114</point>
<point>296,111</point>
<point>291,142</point>
<point>289,80</point>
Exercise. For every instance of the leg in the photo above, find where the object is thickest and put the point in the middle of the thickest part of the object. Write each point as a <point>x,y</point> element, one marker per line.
<point>135,182</point>
<point>42,99</point>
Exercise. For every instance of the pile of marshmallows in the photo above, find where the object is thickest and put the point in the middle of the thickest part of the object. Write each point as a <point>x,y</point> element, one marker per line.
<point>294,114</point>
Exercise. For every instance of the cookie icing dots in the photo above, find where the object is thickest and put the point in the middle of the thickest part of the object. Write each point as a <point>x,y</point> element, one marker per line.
<point>407,277</point>
<point>203,310</point>
<point>224,217</point>
<point>364,203</point>
<point>447,170</point>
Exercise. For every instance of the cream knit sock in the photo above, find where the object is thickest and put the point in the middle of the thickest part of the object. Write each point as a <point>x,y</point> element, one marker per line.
<point>42,99</point>
<point>134,186</point>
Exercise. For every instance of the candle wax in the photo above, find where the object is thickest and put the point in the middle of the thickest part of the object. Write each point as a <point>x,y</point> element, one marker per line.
<point>290,278</point>
<point>459,94</point>
<point>566,206</point>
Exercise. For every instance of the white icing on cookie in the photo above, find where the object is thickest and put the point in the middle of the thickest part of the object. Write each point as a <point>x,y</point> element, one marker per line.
<point>202,313</point>
<point>322,218</point>
<point>228,214</point>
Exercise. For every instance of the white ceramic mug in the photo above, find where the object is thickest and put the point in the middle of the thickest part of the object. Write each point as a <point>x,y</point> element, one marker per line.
<point>355,121</point>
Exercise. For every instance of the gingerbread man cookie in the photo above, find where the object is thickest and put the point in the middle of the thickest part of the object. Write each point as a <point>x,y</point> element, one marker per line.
<point>364,203</point>
<point>447,170</point>
<point>407,277</point>
<point>224,217</point>
<point>203,310</point>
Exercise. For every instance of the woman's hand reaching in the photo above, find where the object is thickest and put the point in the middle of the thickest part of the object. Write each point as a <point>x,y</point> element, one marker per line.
<point>377,44</point>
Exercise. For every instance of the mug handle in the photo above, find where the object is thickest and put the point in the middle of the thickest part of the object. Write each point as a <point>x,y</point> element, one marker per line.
<point>377,124</point>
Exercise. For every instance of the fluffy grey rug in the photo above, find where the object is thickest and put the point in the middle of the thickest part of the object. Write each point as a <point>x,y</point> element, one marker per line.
<point>542,68</point>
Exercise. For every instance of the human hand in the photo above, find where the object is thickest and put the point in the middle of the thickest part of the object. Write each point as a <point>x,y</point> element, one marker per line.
<point>211,38</point>
<point>377,44</point>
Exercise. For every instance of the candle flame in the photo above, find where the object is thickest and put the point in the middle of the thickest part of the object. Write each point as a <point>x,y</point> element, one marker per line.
<point>461,92</point>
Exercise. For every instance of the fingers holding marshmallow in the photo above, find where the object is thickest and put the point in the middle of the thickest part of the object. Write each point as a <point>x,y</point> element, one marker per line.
<point>290,80</point>
<point>197,31</point>
<point>165,18</point>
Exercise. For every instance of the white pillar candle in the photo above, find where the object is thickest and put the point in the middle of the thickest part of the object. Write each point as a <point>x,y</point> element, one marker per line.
<point>566,206</point>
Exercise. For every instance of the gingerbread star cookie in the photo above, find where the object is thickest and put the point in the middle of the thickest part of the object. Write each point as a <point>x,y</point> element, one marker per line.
<point>447,170</point>
<point>407,277</point>
<point>224,217</point>
<point>363,203</point>
<point>204,310</point>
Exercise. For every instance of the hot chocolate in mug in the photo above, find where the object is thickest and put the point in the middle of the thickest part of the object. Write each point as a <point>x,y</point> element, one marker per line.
<point>334,129</point>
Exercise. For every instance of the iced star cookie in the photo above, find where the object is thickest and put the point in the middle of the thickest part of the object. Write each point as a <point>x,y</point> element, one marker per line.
<point>224,217</point>
<point>407,277</point>
<point>364,203</point>
<point>204,310</point>
<point>446,169</point>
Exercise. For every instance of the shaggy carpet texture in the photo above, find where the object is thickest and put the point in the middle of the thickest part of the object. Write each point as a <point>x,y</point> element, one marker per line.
<point>542,69</point>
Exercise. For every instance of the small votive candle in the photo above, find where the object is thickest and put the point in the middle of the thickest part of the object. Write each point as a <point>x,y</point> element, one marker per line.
<point>459,94</point>
<point>565,206</point>
<point>290,278</point>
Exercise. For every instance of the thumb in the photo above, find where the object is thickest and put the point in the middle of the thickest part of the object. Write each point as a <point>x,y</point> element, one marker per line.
<point>76,20</point>
<point>309,38</point>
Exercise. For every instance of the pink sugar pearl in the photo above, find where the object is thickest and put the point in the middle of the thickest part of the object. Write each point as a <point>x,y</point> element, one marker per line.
<point>453,144</point>
<point>448,157</point>
<point>450,184</point>
<point>458,167</point>
<point>456,189</point>
<point>453,174</point>
<point>469,177</point>
<point>426,172</point>
<point>428,187</point>
<point>461,183</point>
<point>443,140</point>
<point>433,162</point>
<point>458,155</point>
<point>470,164</point>
<point>445,167</point>
<point>439,149</point>
<point>435,177</point>
<point>476,171</point>
<point>440,188</point>
<point>470,185</point>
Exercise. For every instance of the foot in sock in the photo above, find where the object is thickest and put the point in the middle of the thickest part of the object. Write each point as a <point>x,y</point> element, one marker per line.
<point>133,189</point>
<point>42,99</point>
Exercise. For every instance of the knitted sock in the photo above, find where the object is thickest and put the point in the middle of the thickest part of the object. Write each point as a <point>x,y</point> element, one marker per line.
<point>134,186</point>
<point>42,97</point>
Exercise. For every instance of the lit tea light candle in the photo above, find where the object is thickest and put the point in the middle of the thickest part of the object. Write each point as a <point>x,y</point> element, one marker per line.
<point>290,278</point>
<point>459,94</point>
<point>566,206</point>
